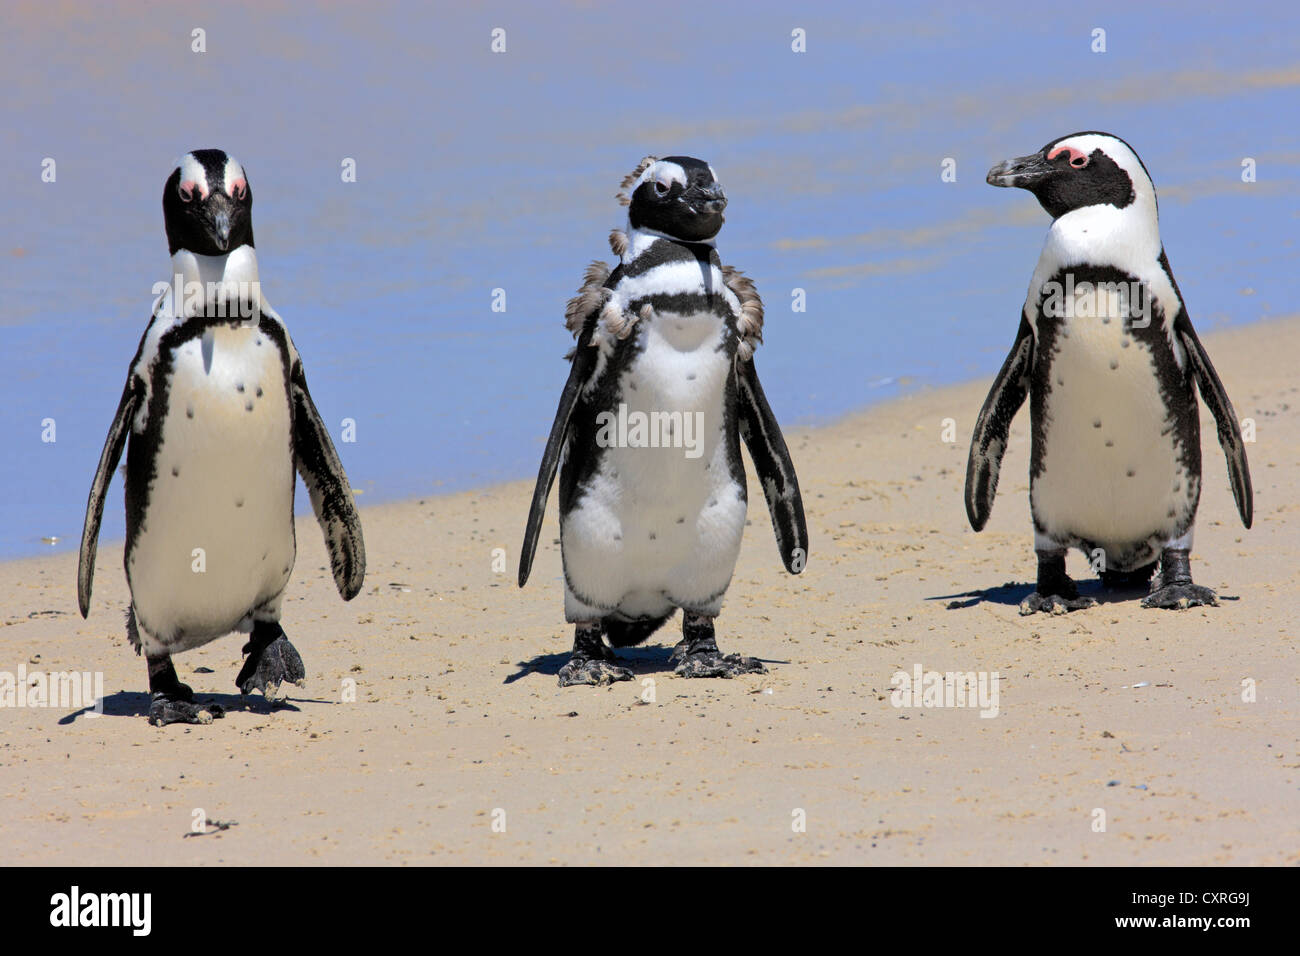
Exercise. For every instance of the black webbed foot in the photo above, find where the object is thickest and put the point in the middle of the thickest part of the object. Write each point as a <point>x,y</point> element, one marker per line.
<point>1056,592</point>
<point>591,662</point>
<point>165,710</point>
<point>1054,604</point>
<point>272,661</point>
<point>698,655</point>
<point>1174,588</point>
<point>173,702</point>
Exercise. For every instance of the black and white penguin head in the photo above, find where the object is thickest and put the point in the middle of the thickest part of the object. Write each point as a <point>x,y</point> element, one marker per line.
<point>1079,170</point>
<point>677,196</point>
<point>208,204</point>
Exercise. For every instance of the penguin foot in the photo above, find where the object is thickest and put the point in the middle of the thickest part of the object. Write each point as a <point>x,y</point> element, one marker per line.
<point>595,671</point>
<point>1054,604</point>
<point>272,661</point>
<point>165,709</point>
<point>1056,592</point>
<point>1181,595</point>
<point>592,662</point>
<point>698,656</point>
<point>716,664</point>
<point>1174,589</point>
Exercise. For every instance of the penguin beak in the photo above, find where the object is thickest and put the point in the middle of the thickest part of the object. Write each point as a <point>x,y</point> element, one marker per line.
<point>221,229</point>
<point>1024,172</point>
<point>706,199</point>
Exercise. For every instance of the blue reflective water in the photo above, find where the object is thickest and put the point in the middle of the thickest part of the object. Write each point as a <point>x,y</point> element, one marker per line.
<point>479,171</point>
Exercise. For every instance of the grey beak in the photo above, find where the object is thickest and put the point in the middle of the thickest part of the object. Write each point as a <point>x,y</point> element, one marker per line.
<point>221,225</point>
<point>707,198</point>
<point>1024,171</point>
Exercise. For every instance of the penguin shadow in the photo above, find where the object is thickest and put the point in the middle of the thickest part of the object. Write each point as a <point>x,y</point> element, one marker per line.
<point>1010,594</point>
<point>1013,592</point>
<point>136,704</point>
<point>640,660</point>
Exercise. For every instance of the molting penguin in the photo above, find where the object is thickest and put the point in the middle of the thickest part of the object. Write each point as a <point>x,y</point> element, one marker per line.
<point>218,414</point>
<point>661,390</point>
<point>1110,362</point>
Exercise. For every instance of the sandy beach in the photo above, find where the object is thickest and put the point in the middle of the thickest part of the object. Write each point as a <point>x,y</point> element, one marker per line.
<point>460,748</point>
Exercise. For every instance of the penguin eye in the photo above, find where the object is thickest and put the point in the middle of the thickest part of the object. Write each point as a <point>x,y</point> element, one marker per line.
<point>186,191</point>
<point>661,187</point>
<point>1076,159</point>
<point>239,189</point>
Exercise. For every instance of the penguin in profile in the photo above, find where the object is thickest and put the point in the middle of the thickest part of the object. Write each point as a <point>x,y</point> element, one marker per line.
<point>218,414</point>
<point>1108,358</point>
<point>661,391</point>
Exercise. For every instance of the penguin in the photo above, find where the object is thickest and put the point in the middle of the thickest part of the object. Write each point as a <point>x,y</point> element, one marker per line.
<point>218,416</point>
<point>662,389</point>
<point>1109,360</point>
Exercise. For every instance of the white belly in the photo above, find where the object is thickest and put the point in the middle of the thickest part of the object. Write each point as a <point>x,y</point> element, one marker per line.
<point>660,527</point>
<point>217,541</point>
<point>1111,471</point>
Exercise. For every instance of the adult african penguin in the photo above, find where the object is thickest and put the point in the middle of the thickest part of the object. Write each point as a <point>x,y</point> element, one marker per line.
<point>1108,358</point>
<point>661,391</point>
<point>218,415</point>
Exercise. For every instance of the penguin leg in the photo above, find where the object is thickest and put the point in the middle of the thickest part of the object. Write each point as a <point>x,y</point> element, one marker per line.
<point>272,661</point>
<point>1056,593</point>
<point>591,662</point>
<point>698,655</point>
<point>173,702</point>
<point>1173,587</point>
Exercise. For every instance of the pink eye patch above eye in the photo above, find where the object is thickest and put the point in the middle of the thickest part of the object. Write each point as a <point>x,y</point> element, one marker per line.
<point>238,188</point>
<point>186,189</point>
<point>1077,159</point>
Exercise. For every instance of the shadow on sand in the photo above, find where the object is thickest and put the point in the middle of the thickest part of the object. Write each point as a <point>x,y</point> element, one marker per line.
<point>136,704</point>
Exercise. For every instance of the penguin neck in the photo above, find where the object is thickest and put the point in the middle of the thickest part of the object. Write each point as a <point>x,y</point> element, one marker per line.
<point>225,279</point>
<point>237,265</point>
<point>1105,234</point>
<point>641,239</point>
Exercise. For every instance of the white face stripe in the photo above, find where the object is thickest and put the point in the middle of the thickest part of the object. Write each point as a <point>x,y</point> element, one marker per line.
<point>234,174</point>
<point>1124,158</point>
<point>192,171</point>
<point>664,172</point>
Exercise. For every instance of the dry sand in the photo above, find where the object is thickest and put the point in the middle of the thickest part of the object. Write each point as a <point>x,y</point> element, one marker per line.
<point>1138,713</point>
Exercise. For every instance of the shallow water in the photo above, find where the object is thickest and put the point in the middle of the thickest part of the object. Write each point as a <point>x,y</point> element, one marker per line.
<point>479,171</point>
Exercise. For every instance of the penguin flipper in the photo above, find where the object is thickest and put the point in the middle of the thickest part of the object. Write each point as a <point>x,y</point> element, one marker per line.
<point>108,459</point>
<point>1216,397</point>
<point>331,496</point>
<point>583,364</point>
<point>762,436</point>
<point>989,440</point>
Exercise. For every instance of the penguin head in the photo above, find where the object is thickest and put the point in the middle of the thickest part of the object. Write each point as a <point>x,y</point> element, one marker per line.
<point>208,204</point>
<point>678,196</point>
<point>1082,169</point>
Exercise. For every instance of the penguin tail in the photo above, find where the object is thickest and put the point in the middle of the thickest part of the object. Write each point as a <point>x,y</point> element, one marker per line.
<point>629,633</point>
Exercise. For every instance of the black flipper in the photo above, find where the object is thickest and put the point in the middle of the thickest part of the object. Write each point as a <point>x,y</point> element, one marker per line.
<point>762,436</point>
<point>1216,399</point>
<point>989,440</point>
<point>583,364</point>
<point>331,495</point>
<point>108,459</point>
